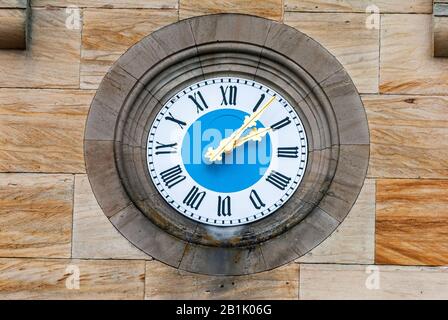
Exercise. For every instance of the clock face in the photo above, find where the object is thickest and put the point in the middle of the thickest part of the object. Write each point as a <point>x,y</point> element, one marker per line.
<point>227,151</point>
<point>228,172</point>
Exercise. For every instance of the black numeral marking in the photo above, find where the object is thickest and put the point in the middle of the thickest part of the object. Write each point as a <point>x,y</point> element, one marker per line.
<point>181,123</point>
<point>228,95</point>
<point>281,123</point>
<point>288,152</point>
<point>259,102</point>
<point>224,207</point>
<point>255,199</point>
<point>279,180</point>
<point>199,101</point>
<point>194,198</point>
<point>165,148</point>
<point>172,176</point>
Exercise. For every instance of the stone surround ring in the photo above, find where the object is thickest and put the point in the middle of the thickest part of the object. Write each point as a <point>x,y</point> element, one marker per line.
<point>205,70</point>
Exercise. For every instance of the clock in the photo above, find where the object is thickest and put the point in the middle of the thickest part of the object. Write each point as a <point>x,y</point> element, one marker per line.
<point>226,144</point>
<point>252,180</point>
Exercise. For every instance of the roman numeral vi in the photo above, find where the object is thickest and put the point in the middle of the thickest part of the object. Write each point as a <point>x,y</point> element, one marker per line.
<point>224,207</point>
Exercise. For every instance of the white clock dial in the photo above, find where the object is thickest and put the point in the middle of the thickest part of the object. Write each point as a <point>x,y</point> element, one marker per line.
<point>251,181</point>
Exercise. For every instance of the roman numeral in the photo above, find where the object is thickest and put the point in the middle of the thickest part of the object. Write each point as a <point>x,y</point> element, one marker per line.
<point>259,102</point>
<point>255,199</point>
<point>165,148</point>
<point>224,207</point>
<point>279,180</point>
<point>199,101</point>
<point>194,198</point>
<point>288,152</point>
<point>179,122</point>
<point>281,123</point>
<point>172,176</point>
<point>228,95</point>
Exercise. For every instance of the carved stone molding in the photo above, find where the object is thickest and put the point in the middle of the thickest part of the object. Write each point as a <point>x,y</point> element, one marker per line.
<point>14,23</point>
<point>440,28</point>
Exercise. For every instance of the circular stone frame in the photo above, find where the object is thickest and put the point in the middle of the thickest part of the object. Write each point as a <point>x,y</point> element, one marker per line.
<point>144,78</point>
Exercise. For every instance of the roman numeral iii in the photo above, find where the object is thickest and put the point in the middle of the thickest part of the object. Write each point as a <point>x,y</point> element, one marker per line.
<point>172,176</point>
<point>194,198</point>
<point>165,148</point>
<point>256,200</point>
<point>288,152</point>
<point>279,180</point>
<point>224,207</point>
<point>228,95</point>
<point>199,101</point>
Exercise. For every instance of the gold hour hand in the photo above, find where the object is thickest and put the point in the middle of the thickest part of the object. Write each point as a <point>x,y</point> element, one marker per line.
<point>254,135</point>
<point>228,144</point>
<point>216,154</point>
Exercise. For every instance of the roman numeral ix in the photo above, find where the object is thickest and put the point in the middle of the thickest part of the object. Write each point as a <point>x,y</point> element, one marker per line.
<point>165,148</point>
<point>172,176</point>
<point>279,180</point>
<point>194,198</point>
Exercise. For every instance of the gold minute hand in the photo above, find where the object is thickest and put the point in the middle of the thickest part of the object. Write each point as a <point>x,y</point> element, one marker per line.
<point>227,145</point>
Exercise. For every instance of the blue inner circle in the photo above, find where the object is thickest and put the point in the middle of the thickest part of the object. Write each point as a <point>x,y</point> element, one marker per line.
<point>237,170</point>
